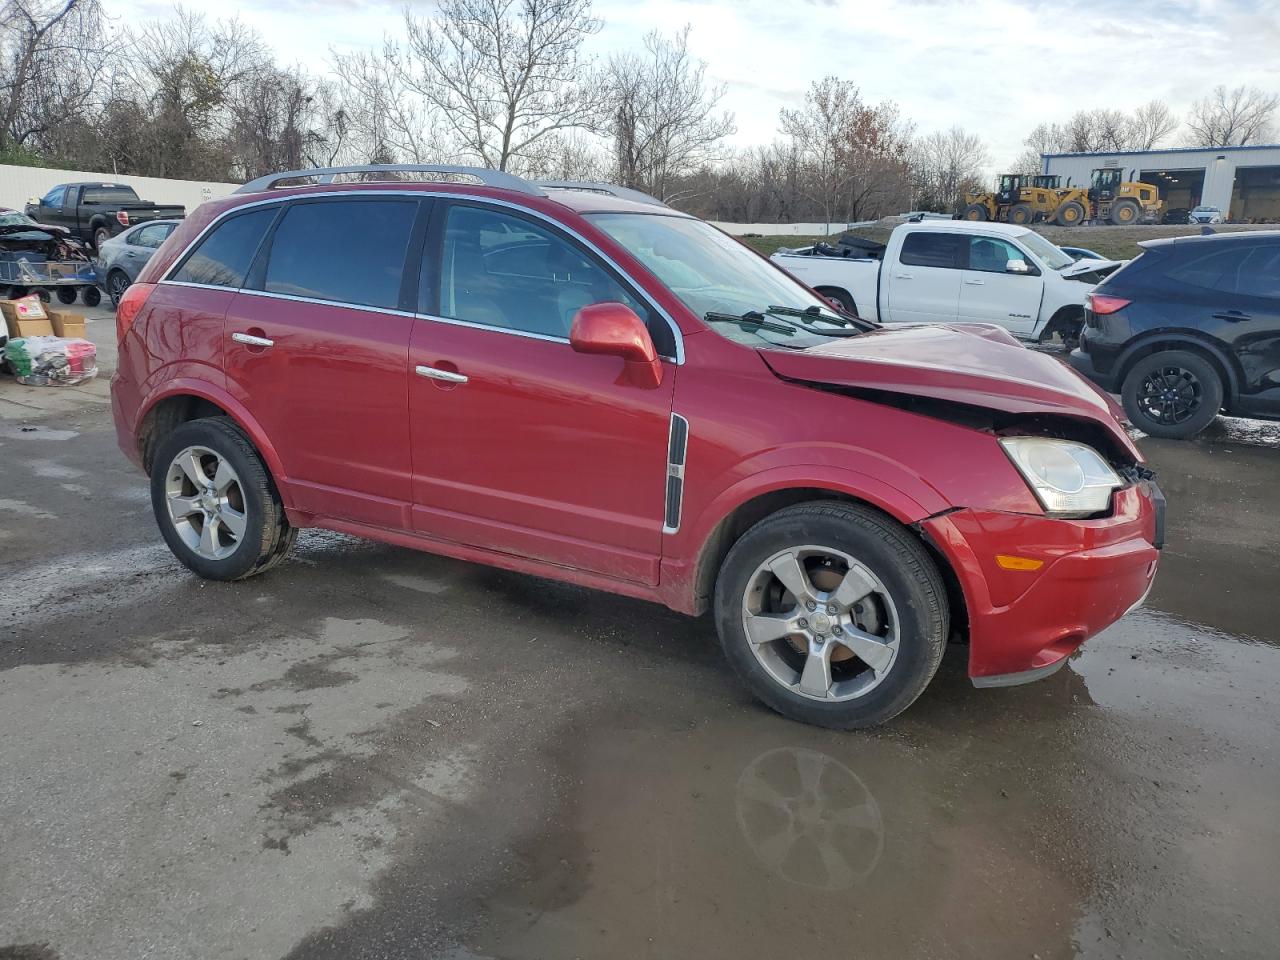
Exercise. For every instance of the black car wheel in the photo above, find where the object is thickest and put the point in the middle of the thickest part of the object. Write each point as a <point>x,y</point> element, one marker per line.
<point>1173,394</point>
<point>117,284</point>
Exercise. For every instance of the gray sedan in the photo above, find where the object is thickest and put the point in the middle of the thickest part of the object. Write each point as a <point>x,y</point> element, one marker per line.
<point>121,258</point>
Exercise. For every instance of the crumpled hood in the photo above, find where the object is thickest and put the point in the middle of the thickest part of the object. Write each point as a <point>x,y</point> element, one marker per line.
<point>976,364</point>
<point>1087,265</point>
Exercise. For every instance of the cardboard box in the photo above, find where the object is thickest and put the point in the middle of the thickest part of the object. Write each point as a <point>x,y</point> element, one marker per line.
<point>26,318</point>
<point>66,323</point>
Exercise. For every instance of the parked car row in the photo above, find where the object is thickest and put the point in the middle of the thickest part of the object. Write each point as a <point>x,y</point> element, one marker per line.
<point>575,381</point>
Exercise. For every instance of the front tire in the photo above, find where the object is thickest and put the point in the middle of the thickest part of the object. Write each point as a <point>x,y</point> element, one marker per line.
<point>1173,394</point>
<point>1070,214</point>
<point>1022,215</point>
<point>1124,213</point>
<point>66,296</point>
<point>832,614</point>
<point>215,503</point>
<point>975,212</point>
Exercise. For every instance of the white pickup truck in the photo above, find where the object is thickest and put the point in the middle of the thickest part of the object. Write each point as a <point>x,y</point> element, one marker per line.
<point>946,271</point>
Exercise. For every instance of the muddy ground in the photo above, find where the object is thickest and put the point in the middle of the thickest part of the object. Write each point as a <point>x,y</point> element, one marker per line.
<point>376,753</point>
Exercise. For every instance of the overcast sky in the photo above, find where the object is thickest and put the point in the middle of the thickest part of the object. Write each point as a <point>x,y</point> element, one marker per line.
<point>997,67</point>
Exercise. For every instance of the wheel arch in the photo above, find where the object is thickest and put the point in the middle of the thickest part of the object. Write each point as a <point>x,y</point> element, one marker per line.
<point>826,289</point>
<point>182,401</point>
<point>735,515</point>
<point>1159,341</point>
<point>1064,313</point>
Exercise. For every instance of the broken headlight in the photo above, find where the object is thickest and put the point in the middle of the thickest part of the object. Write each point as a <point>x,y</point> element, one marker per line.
<point>1068,478</point>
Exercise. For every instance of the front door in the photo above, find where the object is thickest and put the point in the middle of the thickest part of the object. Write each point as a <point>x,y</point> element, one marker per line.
<point>990,293</point>
<point>924,285</point>
<point>520,444</point>
<point>317,347</point>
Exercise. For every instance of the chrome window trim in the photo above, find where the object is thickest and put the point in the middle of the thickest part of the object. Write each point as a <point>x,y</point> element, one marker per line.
<point>485,326</point>
<point>425,195</point>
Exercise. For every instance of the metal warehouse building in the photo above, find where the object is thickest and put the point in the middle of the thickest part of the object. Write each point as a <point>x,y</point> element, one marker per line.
<point>1243,181</point>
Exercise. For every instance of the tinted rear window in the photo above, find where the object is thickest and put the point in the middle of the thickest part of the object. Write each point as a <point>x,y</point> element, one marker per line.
<point>1260,274</point>
<point>1213,270</point>
<point>224,255</point>
<point>923,249</point>
<point>108,195</point>
<point>349,251</point>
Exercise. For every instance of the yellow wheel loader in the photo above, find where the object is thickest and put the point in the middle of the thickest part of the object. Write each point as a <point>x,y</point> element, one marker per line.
<point>1018,200</point>
<point>1123,202</point>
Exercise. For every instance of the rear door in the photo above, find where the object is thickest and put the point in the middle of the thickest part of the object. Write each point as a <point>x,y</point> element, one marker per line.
<point>520,444</point>
<point>1253,317</point>
<point>923,286</point>
<point>990,293</point>
<point>317,345</point>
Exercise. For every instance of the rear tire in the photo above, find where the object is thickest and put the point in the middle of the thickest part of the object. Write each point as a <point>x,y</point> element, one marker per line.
<point>215,503</point>
<point>91,296</point>
<point>1125,213</point>
<point>100,236</point>
<point>876,595</point>
<point>66,295</point>
<point>841,297</point>
<point>975,211</point>
<point>1021,214</point>
<point>1070,214</point>
<point>1173,394</point>
<point>117,284</point>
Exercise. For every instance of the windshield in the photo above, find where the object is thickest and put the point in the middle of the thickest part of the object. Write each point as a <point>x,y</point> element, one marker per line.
<point>711,272</point>
<point>12,218</point>
<point>1053,257</point>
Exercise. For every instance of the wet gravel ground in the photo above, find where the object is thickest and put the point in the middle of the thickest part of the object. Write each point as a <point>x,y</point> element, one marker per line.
<point>372,752</point>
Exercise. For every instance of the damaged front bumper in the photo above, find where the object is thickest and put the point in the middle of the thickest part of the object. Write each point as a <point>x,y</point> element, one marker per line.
<point>1024,623</point>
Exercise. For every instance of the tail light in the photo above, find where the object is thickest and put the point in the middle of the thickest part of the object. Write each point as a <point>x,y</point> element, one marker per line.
<point>123,217</point>
<point>1101,304</point>
<point>131,304</point>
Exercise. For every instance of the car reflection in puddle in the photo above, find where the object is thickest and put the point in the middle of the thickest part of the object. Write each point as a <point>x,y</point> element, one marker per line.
<point>809,818</point>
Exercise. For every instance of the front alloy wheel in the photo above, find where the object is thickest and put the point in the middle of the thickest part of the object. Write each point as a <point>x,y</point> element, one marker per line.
<point>832,614</point>
<point>820,623</point>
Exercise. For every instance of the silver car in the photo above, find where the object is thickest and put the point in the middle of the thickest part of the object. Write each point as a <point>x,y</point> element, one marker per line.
<point>1206,215</point>
<point>121,258</point>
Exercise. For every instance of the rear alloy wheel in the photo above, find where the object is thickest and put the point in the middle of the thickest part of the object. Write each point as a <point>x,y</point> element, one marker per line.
<point>1070,214</point>
<point>117,284</point>
<point>1021,214</point>
<point>1174,394</point>
<point>100,236</point>
<point>215,504</point>
<point>832,614</point>
<point>975,211</point>
<point>1124,212</point>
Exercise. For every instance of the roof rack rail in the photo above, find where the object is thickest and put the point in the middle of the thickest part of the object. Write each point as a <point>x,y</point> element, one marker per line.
<point>490,178</point>
<point>610,189</point>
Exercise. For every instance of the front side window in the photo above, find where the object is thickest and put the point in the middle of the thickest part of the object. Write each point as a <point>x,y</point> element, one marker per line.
<point>990,255</point>
<point>347,251</point>
<point>927,249</point>
<point>54,197</point>
<point>503,271</point>
<point>222,259</point>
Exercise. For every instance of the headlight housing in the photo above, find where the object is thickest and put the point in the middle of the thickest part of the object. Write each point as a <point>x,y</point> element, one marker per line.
<point>1069,479</point>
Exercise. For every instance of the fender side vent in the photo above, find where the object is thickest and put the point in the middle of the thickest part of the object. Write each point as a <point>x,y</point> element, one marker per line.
<point>677,448</point>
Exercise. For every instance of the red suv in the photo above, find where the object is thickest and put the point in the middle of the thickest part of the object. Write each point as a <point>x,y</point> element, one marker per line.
<point>576,381</point>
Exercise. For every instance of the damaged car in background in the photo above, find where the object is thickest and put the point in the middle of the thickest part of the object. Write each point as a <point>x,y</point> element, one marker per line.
<point>45,260</point>
<point>944,271</point>
<point>677,419</point>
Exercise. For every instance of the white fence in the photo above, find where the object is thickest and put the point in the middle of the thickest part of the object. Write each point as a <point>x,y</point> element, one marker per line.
<point>19,184</point>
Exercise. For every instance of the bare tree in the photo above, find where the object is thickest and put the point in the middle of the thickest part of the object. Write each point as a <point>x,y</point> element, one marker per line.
<point>1232,118</point>
<point>53,56</point>
<point>387,119</point>
<point>1151,124</point>
<point>661,114</point>
<point>946,164</point>
<point>283,120</point>
<point>503,74</point>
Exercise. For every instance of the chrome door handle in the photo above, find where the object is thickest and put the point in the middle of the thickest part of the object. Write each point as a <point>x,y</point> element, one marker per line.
<point>1233,316</point>
<point>902,276</point>
<point>251,340</point>
<point>434,373</point>
<point>976,283</point>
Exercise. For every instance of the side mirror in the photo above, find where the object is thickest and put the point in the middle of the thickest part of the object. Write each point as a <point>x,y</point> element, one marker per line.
<point>1017,266</point>
<point>614,329</point>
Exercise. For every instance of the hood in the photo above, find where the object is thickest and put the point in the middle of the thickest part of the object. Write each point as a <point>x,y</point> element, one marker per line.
<point>975,364</point>
<point>1102,267</point>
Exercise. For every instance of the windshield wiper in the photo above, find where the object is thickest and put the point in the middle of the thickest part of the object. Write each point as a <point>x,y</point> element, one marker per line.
<point>851,328</point>
<point>751,319</point>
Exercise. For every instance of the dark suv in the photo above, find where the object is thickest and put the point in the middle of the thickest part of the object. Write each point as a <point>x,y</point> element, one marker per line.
<point>1188,329</point>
